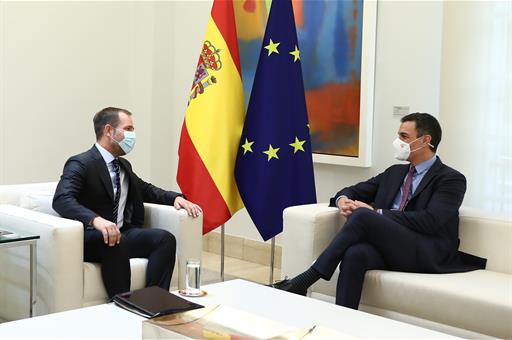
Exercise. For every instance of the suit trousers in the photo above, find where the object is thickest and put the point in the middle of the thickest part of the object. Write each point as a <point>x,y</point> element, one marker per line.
<point>367,241</point>
<point>157,245</point>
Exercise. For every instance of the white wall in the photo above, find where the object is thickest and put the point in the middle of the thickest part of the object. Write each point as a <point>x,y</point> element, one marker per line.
<point>61,63</point>
<point>476,100</point>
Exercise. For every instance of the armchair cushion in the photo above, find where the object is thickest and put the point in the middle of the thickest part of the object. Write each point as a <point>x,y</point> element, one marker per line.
<point>38,201</point>
<point>478,300</point>
<point>11,194</point>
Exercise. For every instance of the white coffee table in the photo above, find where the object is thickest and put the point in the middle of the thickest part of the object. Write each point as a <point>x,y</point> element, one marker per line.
<point>302,312</point>
<point>110,322</point>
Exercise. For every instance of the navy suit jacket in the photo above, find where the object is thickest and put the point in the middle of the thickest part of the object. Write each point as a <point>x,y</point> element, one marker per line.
<point>432,213</point>
<point>85,191</point>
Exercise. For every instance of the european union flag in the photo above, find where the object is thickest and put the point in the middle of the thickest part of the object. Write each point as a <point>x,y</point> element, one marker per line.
<point>274,167</point>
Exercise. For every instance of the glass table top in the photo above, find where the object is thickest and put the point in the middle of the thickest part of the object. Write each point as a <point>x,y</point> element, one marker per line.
<point>7,236</point>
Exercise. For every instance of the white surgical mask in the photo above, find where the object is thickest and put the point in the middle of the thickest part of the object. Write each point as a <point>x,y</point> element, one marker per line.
<point>128,142</point>
<point>403,149</point>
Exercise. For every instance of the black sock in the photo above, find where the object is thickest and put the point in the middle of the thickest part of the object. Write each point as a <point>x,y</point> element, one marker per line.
<point>303,281</point>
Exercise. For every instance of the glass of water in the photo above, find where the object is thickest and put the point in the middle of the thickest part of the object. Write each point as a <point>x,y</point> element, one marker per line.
<point>193,277</point>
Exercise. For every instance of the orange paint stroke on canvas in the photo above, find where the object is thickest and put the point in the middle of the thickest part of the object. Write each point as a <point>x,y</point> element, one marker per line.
<point>334,113</point>
<point>298,10</point>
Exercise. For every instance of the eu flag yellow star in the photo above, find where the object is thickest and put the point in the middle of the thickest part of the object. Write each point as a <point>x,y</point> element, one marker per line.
<point>297,145</point>
<point>271,152</point>
<point>296,54</point>
<point>272,47</point>
<point>247,146</point>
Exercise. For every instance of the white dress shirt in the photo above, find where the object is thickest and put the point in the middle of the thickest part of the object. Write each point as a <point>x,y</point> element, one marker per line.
<point>108,158</point>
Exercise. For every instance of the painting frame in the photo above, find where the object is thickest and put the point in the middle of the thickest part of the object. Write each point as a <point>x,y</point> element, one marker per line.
<point>366,109</point>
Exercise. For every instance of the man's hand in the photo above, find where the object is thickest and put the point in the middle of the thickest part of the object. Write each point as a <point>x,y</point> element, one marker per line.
<point>346,206</point>
<point>192,209</point>
<point>359,204</point>
<point>110,231</point>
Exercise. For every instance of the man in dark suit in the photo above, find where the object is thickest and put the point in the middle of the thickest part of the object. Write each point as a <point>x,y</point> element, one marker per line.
<point>99,189</point>
<point>404,219</point>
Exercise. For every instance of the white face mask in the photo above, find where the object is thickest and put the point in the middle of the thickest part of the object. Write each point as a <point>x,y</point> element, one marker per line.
<point>403,149</point>
<point>128,141</point>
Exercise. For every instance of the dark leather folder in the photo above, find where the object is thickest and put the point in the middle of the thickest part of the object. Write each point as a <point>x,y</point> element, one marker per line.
<point>153,301</point>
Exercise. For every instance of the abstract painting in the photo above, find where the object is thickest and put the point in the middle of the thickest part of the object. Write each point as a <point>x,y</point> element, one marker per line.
<point>337,44</point>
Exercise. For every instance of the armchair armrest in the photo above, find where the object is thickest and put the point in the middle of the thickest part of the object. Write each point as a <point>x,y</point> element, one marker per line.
<point>187,230</point>
<point>59,260</point>
<point>307,230</point>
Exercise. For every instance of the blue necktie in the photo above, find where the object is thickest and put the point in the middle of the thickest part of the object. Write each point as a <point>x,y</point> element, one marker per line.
<point>117,183</point>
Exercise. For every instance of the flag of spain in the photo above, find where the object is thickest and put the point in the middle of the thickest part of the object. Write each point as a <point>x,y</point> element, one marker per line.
<point>213,122</point>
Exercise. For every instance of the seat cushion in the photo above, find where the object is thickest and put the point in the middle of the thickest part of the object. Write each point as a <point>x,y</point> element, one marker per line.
<point>480,300</point>
<point>94,290</point>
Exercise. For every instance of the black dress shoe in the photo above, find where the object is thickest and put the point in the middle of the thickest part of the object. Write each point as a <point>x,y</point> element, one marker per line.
<point>288,286</point>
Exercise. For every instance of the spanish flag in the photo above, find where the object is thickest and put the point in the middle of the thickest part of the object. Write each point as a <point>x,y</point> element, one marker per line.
<point>213,122</point>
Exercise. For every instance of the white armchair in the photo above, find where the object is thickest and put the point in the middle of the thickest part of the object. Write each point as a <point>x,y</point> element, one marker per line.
<point>64,280</point>
<point>472,305</point>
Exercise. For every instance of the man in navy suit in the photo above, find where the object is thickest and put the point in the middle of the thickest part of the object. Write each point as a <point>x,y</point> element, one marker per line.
<point>100,189</point>
<point>404,219</point>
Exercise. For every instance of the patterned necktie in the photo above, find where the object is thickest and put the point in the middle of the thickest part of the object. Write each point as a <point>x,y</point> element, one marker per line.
<point>117,183</point>
<point>407,188</point>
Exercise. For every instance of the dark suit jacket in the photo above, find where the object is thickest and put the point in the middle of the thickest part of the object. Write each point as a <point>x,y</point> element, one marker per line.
<point>432,213</point>
<point>85,191</point>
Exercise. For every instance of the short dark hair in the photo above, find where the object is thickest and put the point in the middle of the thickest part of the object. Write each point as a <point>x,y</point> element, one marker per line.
<point>108,115</point>
<point>426,124</point>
